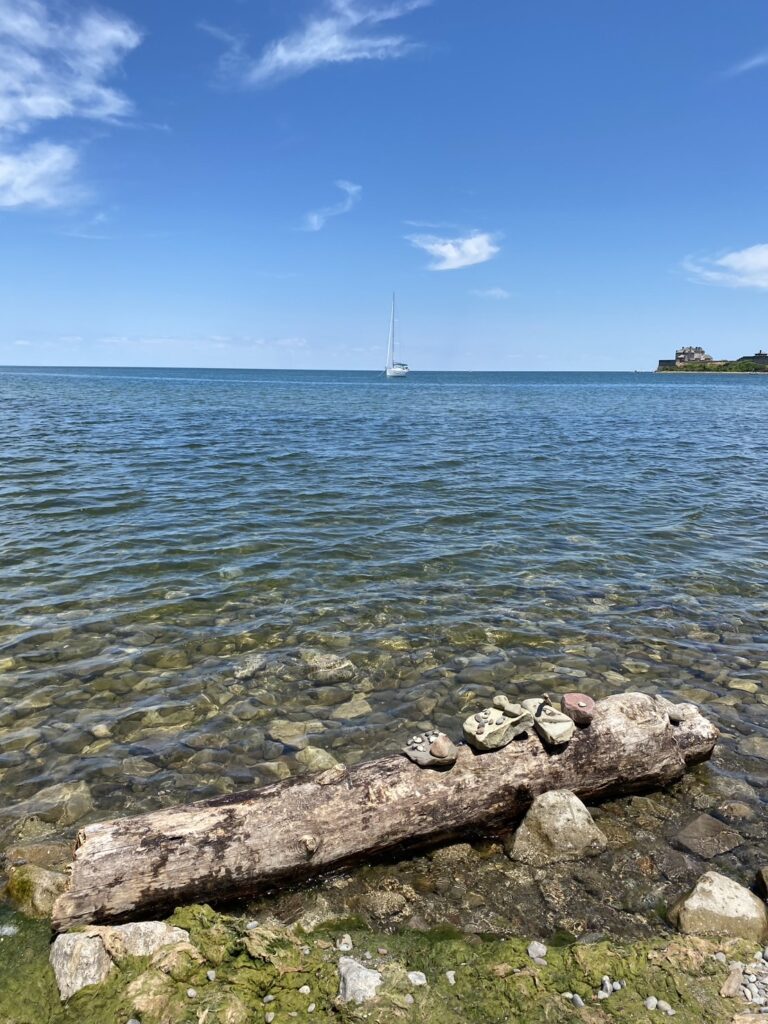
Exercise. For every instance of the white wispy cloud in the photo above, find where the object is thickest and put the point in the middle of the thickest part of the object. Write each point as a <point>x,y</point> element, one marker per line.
<point>315,220</point>
<point>343,32</point>
<point>455,253</point>
<point>54,64</point>
<point>492,293</point>
<point>743,268</point>
<point>757,60</point>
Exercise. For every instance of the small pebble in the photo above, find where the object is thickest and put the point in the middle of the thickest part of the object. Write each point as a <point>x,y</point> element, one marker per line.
<point>409,999</point>
<point>417,978</point>
<point>616,986</point>
<point>537,951</point>
<point>367,955</point>
<point>192,993</point>
<point>7,930</point>
<point>311,1008</point>
<point>382,951</point>
<point>663,1005</point>
<point>602,994</point>
<point>211,975</point>
<point>577,1001</point>
<point>344,943</point>
<point>651,1003</point>
<point>567,995</point>
<point>721,957</point>
<point>251,925</point>
<point>269,1017</point>
<point>305,990</point>
<point>540,961</point>
<point>451,976</point>
<point>306,950</point>
<point>268,999</point>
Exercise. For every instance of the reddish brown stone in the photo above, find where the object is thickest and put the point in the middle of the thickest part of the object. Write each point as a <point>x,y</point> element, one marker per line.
<point>579,707</point>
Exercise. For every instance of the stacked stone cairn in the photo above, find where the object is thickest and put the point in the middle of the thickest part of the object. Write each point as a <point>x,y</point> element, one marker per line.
<point>495,727</point>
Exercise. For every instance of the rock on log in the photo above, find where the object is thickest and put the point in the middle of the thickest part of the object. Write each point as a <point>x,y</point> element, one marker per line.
<point>237,845</point>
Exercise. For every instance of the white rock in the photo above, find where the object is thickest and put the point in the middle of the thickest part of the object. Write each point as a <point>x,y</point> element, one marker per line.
<point>305,990</point>
<point>417,978</point>
<point>719,906</point>
<point>357,984</point>
<point>663,1006</point>
<point>269,1017</point>
<point>651,1003</point>
<point>79,960</point>
<point>140,938</point>
<point>537,949</point>
<point>344,943</point>
<point>557,827</point>
<point>451,976</point>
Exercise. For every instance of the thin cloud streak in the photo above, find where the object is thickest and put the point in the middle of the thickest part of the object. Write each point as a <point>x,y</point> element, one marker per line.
<point>492,293</point>
<point>759,60</point>
<point>316,220</point>
<point>456,253</point>
<point>345,32</point>
<point>743,268</point>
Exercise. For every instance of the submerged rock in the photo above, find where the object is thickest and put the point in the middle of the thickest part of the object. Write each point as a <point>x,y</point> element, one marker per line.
<point>357,984</point>
<point>62,804</point>
<point>357,707</point>
<point>250,666</point>
<point>316,759</point>
<point>707,837</point>
<point>328,668</point>
<point>292,734</point>
<point>79,960</point>
<point>557,827</point>
<point>719,906</point>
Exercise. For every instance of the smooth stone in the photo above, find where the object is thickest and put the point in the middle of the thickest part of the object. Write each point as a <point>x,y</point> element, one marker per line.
<point>707,837</point>
<point>492,729</point>
<point>269,1016</point>
<point>602,994</point>
<point>62,804</point>
<point>719,906</point>
<point>78,960</point>
<point>417,978</point>
<point>305,990</point>
<point>663,1005</point>
<point>139,938</point>
<point>292,734</point>
<point>537,950</point>
<point>650,1003</point>
<point>316,759</point>
<point>328,668</point>
<point>34,890</point>
<point>451,976</point>
<point>357,984</point>
<point>557,827</point>
<point>357,707</point>
<point>578,706</point>
<point>192,993</point>
<point>577,1001</point>
<point>344,943</point>
<point>211,975</point>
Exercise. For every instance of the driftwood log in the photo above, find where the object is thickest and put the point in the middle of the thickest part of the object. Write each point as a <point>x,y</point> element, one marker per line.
<point>237,845</point>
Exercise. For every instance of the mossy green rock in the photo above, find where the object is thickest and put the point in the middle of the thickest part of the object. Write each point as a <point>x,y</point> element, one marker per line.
<point>495,980</point>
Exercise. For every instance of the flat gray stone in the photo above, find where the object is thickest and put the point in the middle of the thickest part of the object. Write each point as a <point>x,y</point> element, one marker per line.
<point>139,938</point>
<point>357,984</point>
<point>707,837</point>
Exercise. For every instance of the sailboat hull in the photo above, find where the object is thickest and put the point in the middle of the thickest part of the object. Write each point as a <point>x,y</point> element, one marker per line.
<point>397,371</point>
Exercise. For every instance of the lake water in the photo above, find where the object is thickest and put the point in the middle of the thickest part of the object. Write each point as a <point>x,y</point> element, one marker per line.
<point>453,535</point>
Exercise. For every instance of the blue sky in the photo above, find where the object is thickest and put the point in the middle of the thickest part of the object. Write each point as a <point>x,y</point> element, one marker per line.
<point>548,184</point>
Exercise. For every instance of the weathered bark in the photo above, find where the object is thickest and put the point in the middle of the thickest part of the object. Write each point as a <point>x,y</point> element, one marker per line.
<point>237,845</point>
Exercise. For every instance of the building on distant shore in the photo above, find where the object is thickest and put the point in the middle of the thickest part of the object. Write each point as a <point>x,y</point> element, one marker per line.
<point>696,356</point>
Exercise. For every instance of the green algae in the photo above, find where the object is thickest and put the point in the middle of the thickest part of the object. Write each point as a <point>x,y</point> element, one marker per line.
<point>495,980</point>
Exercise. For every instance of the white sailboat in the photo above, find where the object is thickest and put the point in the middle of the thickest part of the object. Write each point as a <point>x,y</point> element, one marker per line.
<point>394,369</point>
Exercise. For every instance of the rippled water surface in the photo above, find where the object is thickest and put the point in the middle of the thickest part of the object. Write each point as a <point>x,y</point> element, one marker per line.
<point>452,535</point>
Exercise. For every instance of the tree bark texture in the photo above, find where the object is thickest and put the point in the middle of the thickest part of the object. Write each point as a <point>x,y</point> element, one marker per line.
<point>236,846</point>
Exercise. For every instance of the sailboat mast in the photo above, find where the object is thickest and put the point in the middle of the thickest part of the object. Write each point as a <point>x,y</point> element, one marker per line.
<point>391,346</point>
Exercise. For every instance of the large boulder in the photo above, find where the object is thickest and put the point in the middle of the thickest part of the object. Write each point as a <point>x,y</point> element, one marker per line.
<point>719,906</point>
<point>357,984</point>
<point>557,827</point>
<point>79,960</point>
<point>34,890</point>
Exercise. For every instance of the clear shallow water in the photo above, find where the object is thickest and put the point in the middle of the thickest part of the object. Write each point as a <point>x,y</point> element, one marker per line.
<point>452,534</point>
